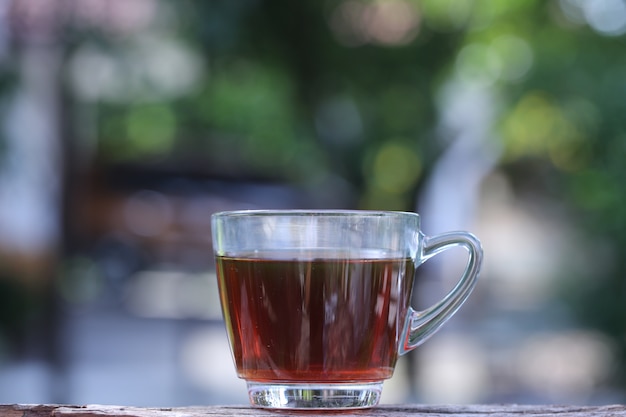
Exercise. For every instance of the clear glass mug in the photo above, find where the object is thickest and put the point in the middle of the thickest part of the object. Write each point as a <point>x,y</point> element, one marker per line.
<point>317,302</point>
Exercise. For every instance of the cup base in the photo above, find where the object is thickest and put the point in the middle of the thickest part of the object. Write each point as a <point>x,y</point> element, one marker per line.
<point>310,396</point>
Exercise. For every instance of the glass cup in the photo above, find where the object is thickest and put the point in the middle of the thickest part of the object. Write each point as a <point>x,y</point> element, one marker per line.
<point>317,302</point>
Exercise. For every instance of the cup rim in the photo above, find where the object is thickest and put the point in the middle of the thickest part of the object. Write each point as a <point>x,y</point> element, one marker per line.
<point>313,212</point>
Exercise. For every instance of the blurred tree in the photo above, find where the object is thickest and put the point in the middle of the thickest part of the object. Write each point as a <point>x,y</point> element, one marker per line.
<point>301,92</point>
<point>563,134</point>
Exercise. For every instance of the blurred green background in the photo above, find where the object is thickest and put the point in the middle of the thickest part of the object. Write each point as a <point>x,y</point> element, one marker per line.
<point>126,123</point>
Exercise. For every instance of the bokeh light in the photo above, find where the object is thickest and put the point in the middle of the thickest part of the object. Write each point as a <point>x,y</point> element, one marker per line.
<point>380,22</point>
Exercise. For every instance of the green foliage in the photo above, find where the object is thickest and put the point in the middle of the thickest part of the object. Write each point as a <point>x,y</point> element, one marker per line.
<point>566,114</point>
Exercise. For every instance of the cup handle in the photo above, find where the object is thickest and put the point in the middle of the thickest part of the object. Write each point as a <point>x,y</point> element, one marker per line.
<point>420,325</point>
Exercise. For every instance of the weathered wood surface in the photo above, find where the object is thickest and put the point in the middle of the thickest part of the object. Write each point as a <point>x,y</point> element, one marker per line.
<point>26,410</point>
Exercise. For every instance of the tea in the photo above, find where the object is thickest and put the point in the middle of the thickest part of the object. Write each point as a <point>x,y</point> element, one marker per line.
<point>317,319</point>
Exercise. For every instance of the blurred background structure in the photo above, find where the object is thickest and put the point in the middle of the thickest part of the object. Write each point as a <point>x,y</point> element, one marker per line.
<point>126,123</point>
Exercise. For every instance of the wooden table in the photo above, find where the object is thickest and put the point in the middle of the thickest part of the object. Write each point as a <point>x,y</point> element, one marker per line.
<point>27,410</point>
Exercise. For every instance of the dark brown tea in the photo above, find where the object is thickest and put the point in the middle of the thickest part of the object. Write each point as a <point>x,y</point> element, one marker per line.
<point>317,320</point>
